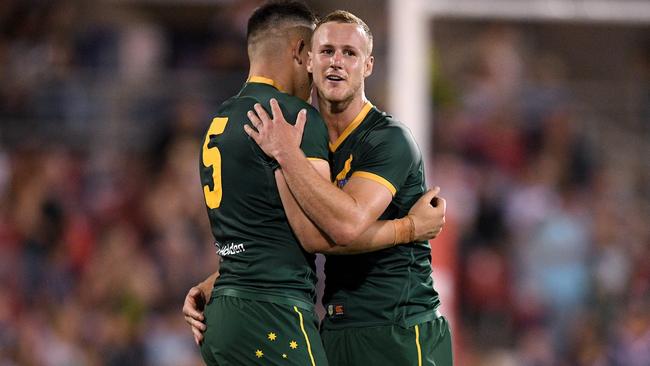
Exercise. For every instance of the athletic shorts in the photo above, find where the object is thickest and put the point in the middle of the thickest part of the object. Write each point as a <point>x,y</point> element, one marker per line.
<point>427,344</point>
<point>244,332</point>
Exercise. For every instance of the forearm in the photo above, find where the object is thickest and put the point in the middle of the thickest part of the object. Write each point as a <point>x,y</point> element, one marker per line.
<point>380,235</point>
<point>332,210</point>
<point>310,237</point>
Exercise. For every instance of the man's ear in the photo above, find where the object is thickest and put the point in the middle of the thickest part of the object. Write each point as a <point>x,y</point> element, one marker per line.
<point>309,60</point>
<point>370,61</point>
<point>297,48</point>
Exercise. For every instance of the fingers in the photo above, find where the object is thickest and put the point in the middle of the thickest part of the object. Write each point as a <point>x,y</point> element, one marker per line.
<point>255,120</point>
<point>442,202</point>
<point>275,109</point>
<point>195,324</point>
<point>193,315</point>
<point>198,336</point>
<point>300,122</point>
<point>429,195</point>
<point>190,310</point>
<point>190,306</point>
<point>261,113</point>
<point>252,133</point>
<point>195,293</point>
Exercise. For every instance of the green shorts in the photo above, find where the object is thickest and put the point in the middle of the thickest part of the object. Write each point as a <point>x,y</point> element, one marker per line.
<point>428,344</point>
<point>251,332</point>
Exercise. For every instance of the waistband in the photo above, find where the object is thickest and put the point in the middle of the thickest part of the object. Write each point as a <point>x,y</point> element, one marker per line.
<point>424,317</point>
<point>250,295</point>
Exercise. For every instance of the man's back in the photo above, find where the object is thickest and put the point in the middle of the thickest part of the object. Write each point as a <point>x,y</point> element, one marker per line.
<point>261,256</point>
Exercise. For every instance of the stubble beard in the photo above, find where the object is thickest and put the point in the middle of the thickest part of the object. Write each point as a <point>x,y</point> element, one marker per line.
<point>337,105</point>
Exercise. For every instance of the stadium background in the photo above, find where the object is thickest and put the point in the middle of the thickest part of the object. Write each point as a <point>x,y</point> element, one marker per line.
<point>538,132</point>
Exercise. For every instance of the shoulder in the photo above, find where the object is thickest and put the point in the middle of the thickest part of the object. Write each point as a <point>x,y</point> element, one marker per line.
<point>291,105</point>
<point>387,130</point>
<point>238,105</point>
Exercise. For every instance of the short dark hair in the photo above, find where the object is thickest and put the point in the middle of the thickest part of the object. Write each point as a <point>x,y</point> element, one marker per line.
<point>343,16</point>
<point>273,12</point>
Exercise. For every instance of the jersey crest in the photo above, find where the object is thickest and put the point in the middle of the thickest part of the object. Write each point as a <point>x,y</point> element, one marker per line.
<point>342,178</point>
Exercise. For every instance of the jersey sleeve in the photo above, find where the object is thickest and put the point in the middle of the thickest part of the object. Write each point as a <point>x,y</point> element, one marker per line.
<point>387,157</point>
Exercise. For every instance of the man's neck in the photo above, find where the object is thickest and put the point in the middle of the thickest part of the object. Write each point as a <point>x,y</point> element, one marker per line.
<point>281,78</point>
<point>339,115</point>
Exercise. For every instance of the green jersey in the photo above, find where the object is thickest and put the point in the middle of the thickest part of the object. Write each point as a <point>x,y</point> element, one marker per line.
<point>391,286</point>
<point>261,257</point>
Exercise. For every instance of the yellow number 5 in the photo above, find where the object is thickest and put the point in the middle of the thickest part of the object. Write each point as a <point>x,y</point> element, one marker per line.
<point>212,157</point>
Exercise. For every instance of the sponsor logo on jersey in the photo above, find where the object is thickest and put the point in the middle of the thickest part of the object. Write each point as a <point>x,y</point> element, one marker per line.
<point>336,310</point>
<point>229,249</point>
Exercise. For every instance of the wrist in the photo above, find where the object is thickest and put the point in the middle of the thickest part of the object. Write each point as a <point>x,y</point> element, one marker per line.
<point>411,228</point>
<point>206,288</point>
<point>404,230</point>
<point>284,156</point>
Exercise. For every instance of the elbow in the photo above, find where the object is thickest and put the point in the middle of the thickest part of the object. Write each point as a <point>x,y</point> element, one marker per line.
<point>346,235</point>
<point>345,231</point>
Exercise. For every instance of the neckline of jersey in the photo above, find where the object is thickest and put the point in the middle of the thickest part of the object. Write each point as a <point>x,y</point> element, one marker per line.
<point>263,80</point>
<point>352,126</point>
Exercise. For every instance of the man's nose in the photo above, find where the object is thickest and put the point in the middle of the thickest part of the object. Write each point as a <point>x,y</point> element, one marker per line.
<point>337,59</point>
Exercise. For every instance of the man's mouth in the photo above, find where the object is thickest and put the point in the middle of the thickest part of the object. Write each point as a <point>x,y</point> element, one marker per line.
<point>334,78</point>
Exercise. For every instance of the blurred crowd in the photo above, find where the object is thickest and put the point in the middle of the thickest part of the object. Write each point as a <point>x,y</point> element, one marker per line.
<point>103,227</point>
<point>554,242</point>
<point>102,223</point>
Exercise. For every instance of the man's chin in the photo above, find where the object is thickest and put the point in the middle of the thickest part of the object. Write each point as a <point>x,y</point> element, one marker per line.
<point>335,97</point>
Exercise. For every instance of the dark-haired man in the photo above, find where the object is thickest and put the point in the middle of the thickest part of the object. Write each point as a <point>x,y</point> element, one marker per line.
<point>261,308</point>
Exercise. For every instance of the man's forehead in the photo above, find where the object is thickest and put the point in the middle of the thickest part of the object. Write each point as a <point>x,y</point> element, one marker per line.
<point>333,32</point>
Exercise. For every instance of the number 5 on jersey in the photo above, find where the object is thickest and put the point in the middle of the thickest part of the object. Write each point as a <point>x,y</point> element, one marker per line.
<point>212,157</point>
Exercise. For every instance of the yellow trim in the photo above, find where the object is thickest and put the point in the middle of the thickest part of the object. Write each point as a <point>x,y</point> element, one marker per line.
<point>354,124</point>
<point>377,179</point>
<point>417,344</point>
<point>263,80</point>
<point>317,159</point>
<point>302,326</point>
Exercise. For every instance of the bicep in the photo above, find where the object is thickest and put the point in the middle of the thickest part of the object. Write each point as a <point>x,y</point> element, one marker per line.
<point>322,167</point>
<point>372,197</point>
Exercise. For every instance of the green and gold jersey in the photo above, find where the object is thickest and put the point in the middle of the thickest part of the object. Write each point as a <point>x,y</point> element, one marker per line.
<point>260,255</point>
<point>394,285</point>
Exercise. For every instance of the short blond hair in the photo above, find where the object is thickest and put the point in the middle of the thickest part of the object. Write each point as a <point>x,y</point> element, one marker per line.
<point>345,17</point>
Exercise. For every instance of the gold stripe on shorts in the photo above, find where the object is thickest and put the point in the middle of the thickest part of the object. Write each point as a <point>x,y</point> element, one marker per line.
<point>417,345</point>
<point>302,326</point>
